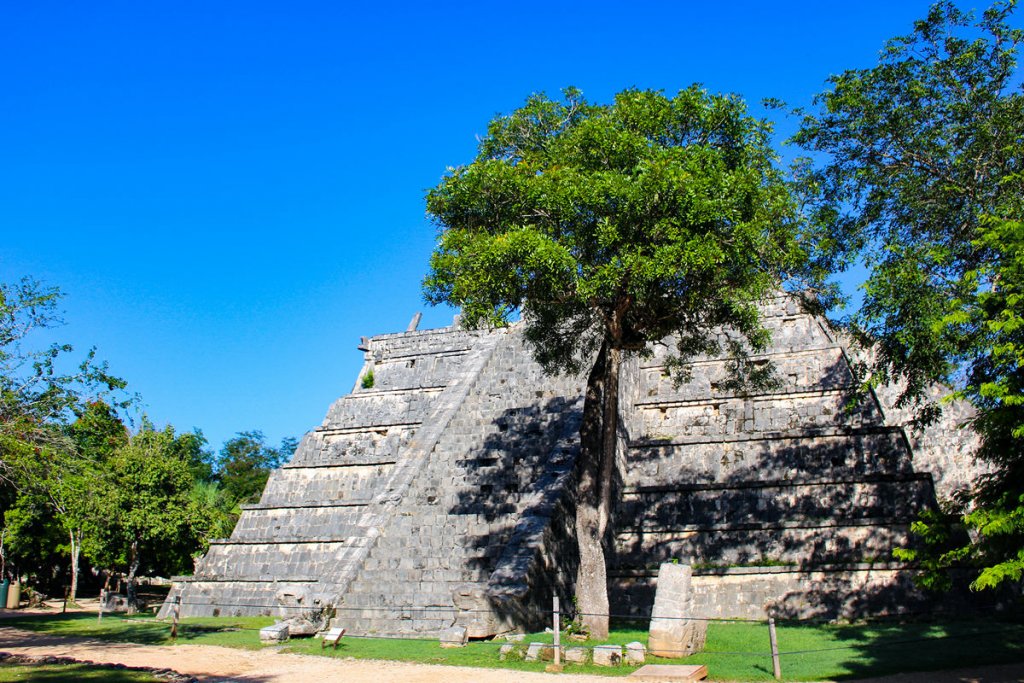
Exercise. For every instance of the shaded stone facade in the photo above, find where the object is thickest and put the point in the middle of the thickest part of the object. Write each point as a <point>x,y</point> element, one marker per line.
<point>441,495</point>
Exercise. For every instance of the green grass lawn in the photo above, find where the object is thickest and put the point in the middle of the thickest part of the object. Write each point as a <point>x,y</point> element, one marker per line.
<point>61,673</point>
<point>735,651</point>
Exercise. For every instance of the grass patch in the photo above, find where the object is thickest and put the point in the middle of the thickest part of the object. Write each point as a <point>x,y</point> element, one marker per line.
<point>238,632</point>
<point>735,650</point>
<point>61,673</point>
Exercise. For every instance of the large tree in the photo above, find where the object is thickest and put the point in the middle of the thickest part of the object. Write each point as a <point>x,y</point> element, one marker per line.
<point>607,227</point>
<point>918,172</point>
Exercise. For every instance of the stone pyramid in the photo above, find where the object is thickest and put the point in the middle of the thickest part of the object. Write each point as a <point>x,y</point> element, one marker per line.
<point>442,493</point>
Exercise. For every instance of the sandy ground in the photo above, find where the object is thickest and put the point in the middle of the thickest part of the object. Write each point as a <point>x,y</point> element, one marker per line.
<point>223,665</point>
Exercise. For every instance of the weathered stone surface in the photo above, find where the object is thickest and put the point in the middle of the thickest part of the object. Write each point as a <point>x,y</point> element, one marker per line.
<point>453,637</point>
<point>636,653</point>
<point>534,650</point>
<point>508,651</point>
<point>115,602</point>
<point>577,655</point>
<point>275,633</point>
<point>544,652</point>
<point>309,622</point>
<point>440,496</point>
<point>608,655</point>
<point>672,632</point>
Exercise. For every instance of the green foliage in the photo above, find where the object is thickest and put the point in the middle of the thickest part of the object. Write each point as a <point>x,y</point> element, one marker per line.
<point>34,541</point>
<point>50,481</point>
<point>246,462</point>
<point>72,478</point>
<point>86,673</point>
<point>368,380</point>
<point>922,179</point>
<point>621,223</point>
<point>149,519</point>
<point>608,227</point>
<point>917,150</point>
<point>98,431</point>
<point>37,392</point>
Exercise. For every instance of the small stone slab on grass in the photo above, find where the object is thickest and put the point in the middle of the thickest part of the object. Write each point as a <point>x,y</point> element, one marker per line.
<point>635,653</point>
<point>542,651</point>
<point>456,636</point>
<point>577,655</point>
<point>277,633</point>
<point>608,655</point>
<point>669,673</point>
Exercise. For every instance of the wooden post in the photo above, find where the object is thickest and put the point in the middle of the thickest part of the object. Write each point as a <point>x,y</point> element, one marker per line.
<point>103,599</point>
<point>175,610</point>
<point>557,632</point>
<point>775,650</point>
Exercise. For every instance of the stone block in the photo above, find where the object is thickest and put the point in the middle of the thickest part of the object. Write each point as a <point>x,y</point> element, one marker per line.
<point>608,655</point>
<point>275,633</point>
<point>577,655</point>
<point>533,651</point>
<point>453,637</point>
<point>509,651</point>
<point>636,653</point>
<point>672,633</point>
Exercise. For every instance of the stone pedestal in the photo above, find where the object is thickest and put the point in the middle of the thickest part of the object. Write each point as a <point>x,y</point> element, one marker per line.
<point>673,633</point>
<point>277,633</point>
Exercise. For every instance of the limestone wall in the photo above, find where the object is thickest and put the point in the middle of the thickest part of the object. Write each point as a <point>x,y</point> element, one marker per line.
<point>786,499</point>
<point>441,493</point>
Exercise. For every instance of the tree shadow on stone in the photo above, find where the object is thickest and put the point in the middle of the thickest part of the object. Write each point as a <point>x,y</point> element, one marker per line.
<point>518,510</point>
<point>810,494</point>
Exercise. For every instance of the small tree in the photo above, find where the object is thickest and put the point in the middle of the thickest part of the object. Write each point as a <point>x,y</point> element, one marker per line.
<point>148,509</point>
<point>608,227</point>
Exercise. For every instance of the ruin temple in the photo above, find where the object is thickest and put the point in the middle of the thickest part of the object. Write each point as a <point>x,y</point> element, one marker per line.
<point>441,492</point>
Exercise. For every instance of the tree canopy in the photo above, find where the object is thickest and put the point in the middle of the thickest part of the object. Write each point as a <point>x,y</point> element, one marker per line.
<point>246,462</point>
<point>75,481</point>
<point>920,173</point>
<point>609,226</point>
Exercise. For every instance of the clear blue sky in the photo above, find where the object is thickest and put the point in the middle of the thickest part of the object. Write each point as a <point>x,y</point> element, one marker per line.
<point>231,193</point>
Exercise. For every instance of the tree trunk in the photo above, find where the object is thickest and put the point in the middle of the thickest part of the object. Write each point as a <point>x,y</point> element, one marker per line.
<point>76,550</point>
<point>133,568</point>
<point>596,468</point>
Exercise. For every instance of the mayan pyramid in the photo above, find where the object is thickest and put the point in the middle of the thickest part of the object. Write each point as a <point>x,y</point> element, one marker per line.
<point>441,493</point>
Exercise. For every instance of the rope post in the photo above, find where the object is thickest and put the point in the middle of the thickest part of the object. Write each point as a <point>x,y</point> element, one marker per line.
<point>175,610</point>
<point>557,631</point>
<point>103,600</point>
<point>775,649</point>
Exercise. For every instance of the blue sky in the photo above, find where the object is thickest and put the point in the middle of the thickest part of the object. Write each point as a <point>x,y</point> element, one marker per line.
<point>230,194</point>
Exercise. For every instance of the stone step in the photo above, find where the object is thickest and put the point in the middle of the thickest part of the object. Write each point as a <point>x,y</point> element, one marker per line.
<point>828,542</point>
